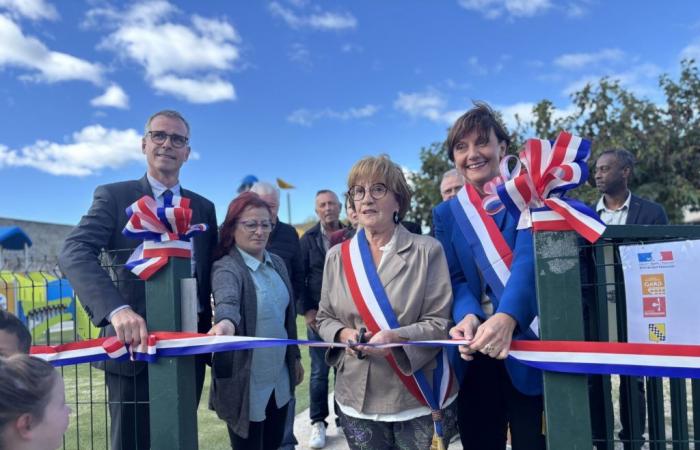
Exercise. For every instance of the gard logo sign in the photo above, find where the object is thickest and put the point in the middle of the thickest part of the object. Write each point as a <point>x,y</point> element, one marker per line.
<point>653,284</point>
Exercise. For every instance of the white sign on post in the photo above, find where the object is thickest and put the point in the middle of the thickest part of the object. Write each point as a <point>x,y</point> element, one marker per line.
<point>662,290</point>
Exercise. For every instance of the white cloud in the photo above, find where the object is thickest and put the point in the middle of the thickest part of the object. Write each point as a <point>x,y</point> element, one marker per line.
<point>91,149</point>
<point>320,20</point>
<point>429,104</point>
<point>351,48</point>
<point>307,117</point>
<point>31,9</point>
<point>299,53</point>
<point>691,51</point>
<point>47,66</point>
<point>523,112</point>
<point>641,79</point>
<point>114,96</point>
<point>207,90</point>
<point>493,9</point>
<point>574,61</point>
<point>173,55</point>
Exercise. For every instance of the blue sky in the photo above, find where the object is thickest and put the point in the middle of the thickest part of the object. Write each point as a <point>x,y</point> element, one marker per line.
<point>293,89</point>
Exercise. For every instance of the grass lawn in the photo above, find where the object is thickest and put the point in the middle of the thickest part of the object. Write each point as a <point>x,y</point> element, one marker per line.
<point>86,395</point>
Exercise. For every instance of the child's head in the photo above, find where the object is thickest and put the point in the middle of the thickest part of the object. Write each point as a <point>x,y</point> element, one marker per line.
<point>33,411</point>
<point>14,336</point>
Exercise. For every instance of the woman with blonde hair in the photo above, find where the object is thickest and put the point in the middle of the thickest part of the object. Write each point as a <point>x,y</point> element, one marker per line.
<point>384,286</point>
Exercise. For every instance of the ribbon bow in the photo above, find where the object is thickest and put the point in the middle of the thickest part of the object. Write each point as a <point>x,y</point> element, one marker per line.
<point>166,231</point>
<point>537,195</point>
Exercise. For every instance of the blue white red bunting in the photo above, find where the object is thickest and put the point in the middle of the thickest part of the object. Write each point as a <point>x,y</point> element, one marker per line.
<point>537,195</point>
<point>606,358</point>
<point>166,232</point>
<point>492,253</point>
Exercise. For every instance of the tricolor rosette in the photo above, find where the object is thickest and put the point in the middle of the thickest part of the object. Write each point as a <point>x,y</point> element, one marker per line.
<point>165,231</point>
<point>534,190</point>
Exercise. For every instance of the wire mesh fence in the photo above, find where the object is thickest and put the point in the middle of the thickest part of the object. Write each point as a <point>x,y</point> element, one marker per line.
<point>633,412</point>
<point>45,302</point>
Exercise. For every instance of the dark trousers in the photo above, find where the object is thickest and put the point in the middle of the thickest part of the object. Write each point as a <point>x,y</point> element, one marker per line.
<point>265,435</point>
<point>129,409</point>
<point>318,381</point>
<point>288,439</point>
<point>488,403</point>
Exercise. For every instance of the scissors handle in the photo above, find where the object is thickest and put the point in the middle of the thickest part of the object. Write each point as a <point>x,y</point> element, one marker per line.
<point>362,339</point>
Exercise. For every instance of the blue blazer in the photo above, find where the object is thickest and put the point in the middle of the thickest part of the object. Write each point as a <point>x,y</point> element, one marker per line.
<point>518,300</point>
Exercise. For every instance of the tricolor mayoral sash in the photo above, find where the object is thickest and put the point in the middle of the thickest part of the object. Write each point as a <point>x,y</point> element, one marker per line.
<point>375,309</point>
<point>492,254</point>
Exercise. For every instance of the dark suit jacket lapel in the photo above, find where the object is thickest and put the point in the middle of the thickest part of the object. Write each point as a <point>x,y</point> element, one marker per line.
<point>145,186</point>
<point>633,213</point>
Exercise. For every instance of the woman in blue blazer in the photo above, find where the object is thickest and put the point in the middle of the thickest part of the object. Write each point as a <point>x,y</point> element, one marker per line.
<point>494,297</point>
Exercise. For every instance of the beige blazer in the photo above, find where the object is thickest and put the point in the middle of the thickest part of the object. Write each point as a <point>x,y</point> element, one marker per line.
<point>417,282</point>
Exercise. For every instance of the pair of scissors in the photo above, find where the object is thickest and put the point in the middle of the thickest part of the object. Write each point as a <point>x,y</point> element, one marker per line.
<point>361,339</point>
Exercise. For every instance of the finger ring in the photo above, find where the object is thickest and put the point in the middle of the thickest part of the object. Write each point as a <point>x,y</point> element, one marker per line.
<point>488,348</point>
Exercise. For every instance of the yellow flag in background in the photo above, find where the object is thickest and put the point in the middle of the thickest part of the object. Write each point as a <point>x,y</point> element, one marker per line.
<point>283,184</point>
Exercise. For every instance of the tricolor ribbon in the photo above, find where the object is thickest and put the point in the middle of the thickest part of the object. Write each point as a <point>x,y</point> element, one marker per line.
<point>537,195</point>
<point>604,358</point>
<point>165,231</point>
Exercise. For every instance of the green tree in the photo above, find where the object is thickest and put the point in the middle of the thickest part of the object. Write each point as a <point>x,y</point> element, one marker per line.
<point>426,183</point>
<point>664,137</point>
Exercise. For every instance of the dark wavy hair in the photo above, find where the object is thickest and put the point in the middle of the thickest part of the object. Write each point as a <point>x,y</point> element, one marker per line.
<point>227,238</point>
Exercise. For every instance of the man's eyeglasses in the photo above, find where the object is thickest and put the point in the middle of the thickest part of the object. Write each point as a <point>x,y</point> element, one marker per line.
<point>376,191</point>
<point>159,137</point>
<point>252,225</point>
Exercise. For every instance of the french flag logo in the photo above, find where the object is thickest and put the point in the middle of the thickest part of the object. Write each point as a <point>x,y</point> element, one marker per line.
<point>662,256</point>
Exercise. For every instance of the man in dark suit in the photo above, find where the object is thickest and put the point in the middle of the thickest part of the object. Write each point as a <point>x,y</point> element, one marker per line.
<point>618,206</point>
<point>121,308</point>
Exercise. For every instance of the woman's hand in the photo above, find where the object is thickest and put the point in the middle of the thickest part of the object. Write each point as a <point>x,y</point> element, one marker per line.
<point>382,337</point>
<point>494,336</point>
<point>349,336</point>
<point>223,328</point>
<point>464,331</point>
<point>298,372</point>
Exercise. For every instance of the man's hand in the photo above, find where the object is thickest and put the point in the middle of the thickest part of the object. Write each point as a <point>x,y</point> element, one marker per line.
<point>298,372</point>
<point>465,330</point>
<point>130,327</point>
<point>223,328</point>
<point>310,317</point>
<point>493,337</point>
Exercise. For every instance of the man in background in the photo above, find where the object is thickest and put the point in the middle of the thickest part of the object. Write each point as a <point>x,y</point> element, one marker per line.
<point>314,245</point>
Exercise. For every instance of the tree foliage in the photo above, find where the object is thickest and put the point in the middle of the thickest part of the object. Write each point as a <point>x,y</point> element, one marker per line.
<point>426,183</point>
<point>664,136</point>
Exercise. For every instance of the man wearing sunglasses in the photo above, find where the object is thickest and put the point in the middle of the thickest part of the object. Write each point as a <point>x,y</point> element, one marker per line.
<point>121,308</point>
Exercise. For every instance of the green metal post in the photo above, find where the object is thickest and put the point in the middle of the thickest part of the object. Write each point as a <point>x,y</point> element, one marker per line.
<point>558,281</point>
<point>171,381</point>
